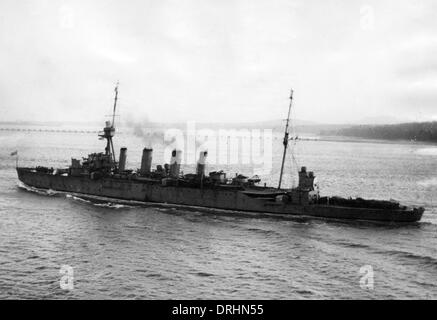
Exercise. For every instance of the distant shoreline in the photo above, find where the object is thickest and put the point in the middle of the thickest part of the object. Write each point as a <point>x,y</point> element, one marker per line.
<point>341,133</point>
<point>365,140</point>
<point>412,132</point>
<point>338,139</point>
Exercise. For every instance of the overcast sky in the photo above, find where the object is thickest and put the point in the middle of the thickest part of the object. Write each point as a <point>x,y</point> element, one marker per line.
<point>204,60</point>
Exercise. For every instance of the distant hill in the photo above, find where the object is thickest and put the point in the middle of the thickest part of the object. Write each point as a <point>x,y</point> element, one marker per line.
<point>416,131</point>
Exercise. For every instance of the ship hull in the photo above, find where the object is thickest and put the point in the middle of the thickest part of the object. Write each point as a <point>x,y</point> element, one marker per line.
<point>152,191</point>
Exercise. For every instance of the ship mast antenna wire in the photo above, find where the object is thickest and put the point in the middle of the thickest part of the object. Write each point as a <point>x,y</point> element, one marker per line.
<point>285,142</point>
<point>294,160</point>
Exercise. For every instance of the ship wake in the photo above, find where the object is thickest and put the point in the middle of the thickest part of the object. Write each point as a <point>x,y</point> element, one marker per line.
<point>101,201</point>
<point>44,192</point>
<point>88,199</point>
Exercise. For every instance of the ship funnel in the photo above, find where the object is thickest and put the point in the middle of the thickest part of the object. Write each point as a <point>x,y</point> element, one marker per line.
<point>306,179</point>
<point>201,163</point>
<point>122,160</point>
<point>175,163</point>
<point>146,161</point>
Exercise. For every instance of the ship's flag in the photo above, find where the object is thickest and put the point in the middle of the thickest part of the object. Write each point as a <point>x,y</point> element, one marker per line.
<point>15,153</point>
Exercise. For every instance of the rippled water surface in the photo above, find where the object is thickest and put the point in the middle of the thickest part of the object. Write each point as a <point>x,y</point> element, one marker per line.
<point>128,250</point>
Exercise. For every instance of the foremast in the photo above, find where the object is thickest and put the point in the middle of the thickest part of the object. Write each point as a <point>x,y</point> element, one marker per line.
<point>109,132</point>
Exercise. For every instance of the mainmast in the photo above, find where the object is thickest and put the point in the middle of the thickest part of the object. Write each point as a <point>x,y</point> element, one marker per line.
<point>285,142</point>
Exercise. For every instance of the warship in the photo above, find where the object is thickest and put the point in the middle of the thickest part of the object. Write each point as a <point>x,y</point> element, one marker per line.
<point>101,175</point>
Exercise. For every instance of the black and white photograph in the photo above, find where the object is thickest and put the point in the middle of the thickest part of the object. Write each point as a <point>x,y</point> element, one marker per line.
<point>205,150</point>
